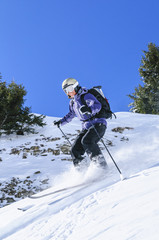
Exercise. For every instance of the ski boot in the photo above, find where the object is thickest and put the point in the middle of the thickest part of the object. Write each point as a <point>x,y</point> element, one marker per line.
<point>99,161</point>
<point>80,164</point>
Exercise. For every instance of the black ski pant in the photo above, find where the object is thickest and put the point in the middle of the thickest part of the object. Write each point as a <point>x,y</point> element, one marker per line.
<point>87,141</point>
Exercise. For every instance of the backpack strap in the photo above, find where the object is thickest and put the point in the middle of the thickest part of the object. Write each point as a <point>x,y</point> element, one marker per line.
<point>82,99</point>
<point>71,103</point>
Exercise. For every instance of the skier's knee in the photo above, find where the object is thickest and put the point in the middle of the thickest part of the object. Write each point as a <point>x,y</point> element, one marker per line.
<point>86,142</point>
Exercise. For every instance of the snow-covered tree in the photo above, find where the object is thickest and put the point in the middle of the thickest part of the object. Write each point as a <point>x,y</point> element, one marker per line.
<point>146,96</point>
<point>14,117</point>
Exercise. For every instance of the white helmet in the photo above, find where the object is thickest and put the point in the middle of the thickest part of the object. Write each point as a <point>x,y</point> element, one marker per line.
<point>69,85</point>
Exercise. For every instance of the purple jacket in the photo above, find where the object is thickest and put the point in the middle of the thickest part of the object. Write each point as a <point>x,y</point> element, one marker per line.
<point>74,110</point>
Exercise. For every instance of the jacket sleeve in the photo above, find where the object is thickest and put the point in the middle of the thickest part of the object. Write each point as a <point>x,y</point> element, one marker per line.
<point>68,117</point>
<point>92,103</point>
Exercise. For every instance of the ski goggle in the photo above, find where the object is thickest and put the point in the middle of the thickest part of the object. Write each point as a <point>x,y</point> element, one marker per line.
<point>70,88</point>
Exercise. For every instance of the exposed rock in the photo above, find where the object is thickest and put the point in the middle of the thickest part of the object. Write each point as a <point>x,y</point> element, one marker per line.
<point>50,150</point>
<point>109,143</point>
<point>17,189</point>
<point>121,129</point>
<point>15,151</point>
<point>35,148</point>
<point>20,132</point>
<point>37,172</point>
<point>18,195</point>
<point>36,140</point>
<point>36,153</point>
<point>27,182</point>
<point>44,151</point>
<point>66,159</point>
<point>10,200</point>
<point>65,149</point>
<point>45,181</point>
<point>129,128</point>
<point>15,181</point>
<point>24,155</point>
<point>56,152</point>
<point>28,143</point>
<point>2,198</point>
<point>49,139</point>
<point>26,149</point>
<point>124,139</point>
<point>54,139</point>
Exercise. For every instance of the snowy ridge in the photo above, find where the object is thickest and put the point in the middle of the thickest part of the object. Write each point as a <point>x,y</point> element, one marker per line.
<point>106,209</point>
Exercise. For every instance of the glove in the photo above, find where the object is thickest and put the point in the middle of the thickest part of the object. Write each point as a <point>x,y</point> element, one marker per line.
<point>57,123</point>
<point>85,110</point>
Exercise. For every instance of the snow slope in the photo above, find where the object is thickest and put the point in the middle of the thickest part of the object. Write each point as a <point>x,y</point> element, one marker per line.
<point>106,209</point>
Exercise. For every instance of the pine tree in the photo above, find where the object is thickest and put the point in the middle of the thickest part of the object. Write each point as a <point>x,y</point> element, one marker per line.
<point>14,117</point>
<point>146,96</point>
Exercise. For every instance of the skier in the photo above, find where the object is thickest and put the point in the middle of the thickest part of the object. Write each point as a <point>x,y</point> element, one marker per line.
<point>93,127</point>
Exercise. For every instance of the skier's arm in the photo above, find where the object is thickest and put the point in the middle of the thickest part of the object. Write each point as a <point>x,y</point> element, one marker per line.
<point>68,118</point>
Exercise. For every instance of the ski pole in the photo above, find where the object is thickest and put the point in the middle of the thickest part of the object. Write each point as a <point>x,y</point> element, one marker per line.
<point>121,176</point>
<point>65,136</point>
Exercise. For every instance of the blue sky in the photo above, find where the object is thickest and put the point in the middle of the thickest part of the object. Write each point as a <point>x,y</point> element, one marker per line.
<point>98,42</point>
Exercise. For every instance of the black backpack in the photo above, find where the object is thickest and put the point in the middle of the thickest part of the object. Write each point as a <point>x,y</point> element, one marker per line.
<point>105,111</point>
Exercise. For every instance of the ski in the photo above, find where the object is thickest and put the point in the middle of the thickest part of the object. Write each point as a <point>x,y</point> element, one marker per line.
<point>84,184</point>
<point>63,189</point>
<point>25,208</point>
